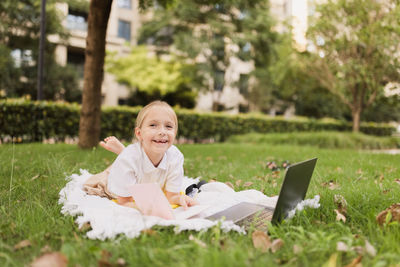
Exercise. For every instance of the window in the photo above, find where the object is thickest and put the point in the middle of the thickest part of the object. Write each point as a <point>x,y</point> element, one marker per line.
<point>243,84</point>
<point>124,30</point>
<point>76,59</point>
<point>22,58</point>
<point>219,80</point>
<point>77,20</point>
<point>125,4</point>
<point>245,51</point>
<point>122,101</point>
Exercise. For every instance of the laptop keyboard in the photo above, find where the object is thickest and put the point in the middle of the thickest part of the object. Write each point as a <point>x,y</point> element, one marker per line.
<point>257,220</point>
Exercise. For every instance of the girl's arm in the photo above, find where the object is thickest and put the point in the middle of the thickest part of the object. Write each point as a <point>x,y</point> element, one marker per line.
<point>180,199</point>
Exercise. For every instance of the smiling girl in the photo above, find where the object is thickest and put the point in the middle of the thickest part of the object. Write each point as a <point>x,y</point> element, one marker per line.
<point>152,159</point>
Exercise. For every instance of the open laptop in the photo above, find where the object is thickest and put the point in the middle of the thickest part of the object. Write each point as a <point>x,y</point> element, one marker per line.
<point>293,190</point>
<point>151,201</point>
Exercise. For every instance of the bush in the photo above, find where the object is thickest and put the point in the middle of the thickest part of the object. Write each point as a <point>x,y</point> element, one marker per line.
<point>321,139</point>
<point>34,121</point>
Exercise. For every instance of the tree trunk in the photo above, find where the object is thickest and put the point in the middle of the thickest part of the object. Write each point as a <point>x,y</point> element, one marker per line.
<point>356,113</point>
<point>89,124</point>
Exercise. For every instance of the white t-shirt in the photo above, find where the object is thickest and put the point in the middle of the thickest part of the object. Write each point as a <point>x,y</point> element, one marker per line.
<point>132,166</point>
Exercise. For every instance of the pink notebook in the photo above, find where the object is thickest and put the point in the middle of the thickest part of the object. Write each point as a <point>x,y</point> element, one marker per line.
<point>151,200</point>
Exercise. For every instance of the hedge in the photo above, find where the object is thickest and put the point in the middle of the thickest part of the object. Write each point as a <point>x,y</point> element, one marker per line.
<point>30,121</point>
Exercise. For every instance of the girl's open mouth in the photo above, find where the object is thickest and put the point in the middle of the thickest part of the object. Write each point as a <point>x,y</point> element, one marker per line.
<point>161,141</point>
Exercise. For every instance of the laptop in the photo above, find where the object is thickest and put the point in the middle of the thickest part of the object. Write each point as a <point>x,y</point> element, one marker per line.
<point>151,201</point>
<point>293,190</point>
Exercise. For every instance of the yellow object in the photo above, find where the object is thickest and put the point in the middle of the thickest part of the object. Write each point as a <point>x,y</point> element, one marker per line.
<point>174,206</point>
<point>116,201</point>
<point>181,193</point>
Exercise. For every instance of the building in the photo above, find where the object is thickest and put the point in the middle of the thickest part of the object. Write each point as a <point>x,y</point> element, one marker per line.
<point>122,29</point>
<point>293,12</point>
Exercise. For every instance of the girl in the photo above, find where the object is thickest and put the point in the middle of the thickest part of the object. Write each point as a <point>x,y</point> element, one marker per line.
<point>153,159</point>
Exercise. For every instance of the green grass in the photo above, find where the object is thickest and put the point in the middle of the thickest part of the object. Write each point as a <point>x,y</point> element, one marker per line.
<point>29,209</point>
<point>321,139</point>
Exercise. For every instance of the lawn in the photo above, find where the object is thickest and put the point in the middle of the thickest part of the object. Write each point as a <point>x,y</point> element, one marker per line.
<point>33,174</point>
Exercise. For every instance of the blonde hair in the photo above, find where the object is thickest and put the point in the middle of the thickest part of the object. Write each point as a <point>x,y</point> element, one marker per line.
<point>144,111</point>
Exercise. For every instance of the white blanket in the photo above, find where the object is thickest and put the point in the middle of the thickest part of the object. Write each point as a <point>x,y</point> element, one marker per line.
<point>108,219</point>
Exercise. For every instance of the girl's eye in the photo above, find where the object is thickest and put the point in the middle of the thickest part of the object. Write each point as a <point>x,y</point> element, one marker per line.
<point>170,126</point>
<point>152,125</point>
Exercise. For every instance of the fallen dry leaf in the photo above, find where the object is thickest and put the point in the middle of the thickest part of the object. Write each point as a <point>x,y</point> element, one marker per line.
<point>386,191</point>
<point>35,177</point>
<point>389,215</point>
<point>105,259</point>
<point>276,245</point>
<point>230,185</point>
<point>331,185</point>
<point>197,241</point>
<point>340,216</point>
<point>275,174</point>
<point>149,231</point>
<point>359,171</point>
<point>340,203</point>
<point>397,181</point>
<point>341,246</point>
<point>261,241</point>
<point>54,259</point>
<point>370,249</point>
<point>355,262</point>
<point>238,182</point>
<point>212,180</point>
<point>247,184</point>
<point>23,244</point>
<point>121,262</point>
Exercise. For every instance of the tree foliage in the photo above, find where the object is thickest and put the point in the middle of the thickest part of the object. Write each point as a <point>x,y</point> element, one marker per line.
<point>211,33</point>
<point>356,44</point>
<point>19,35</point>
<point>145,71</point>
<point>153,77</point>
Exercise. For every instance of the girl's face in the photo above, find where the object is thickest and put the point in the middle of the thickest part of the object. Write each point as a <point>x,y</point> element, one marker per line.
<point>157,132</point>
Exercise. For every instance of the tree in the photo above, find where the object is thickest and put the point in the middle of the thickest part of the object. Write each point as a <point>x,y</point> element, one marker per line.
<point>89,123</point>
<point>356,44</point>
<point>153,77</point>
<point>210,34</point>
<point>19,36</point>
<point>147,72</point>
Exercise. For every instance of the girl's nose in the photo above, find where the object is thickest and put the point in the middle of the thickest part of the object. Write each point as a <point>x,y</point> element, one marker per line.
<point>162,130</point>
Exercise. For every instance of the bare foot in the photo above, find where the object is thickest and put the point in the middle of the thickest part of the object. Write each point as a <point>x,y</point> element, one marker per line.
<point>112,144</point>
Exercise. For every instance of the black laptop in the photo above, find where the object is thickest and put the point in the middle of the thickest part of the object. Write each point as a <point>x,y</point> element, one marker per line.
<point>293,190</point>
